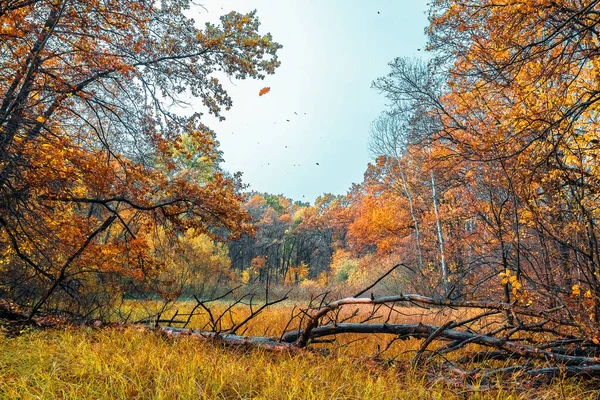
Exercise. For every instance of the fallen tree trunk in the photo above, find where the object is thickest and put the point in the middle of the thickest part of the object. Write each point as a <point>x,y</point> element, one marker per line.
<point>421,331</point>
<point>564,365</point>
<point>510,339</point>
<point>314,331</point>
<point>423,300</point>
<point>261,342</point>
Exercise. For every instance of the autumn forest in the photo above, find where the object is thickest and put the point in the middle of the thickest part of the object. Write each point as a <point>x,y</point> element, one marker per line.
<point>466,262</point>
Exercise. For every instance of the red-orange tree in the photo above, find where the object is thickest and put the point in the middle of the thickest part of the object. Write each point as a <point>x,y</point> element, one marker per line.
<point>95,150</point>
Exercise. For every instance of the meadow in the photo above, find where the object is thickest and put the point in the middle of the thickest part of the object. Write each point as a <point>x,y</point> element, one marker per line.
<point>134,362</point>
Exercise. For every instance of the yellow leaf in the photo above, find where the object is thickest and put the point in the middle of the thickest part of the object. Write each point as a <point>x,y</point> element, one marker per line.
<point>41,119</point>
<point>505,276</point>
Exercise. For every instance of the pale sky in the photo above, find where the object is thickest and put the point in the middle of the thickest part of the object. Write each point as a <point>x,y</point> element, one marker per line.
<point>332,51</point>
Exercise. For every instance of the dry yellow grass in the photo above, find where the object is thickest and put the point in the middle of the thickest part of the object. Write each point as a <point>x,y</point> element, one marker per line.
<point>83,363</point>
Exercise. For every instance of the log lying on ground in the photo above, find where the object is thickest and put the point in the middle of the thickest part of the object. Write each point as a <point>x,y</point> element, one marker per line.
<point>422,331</point>
<point>565,354</point>
<point>565,365</point>
<point>429,301</point>
<point>293,340</point>
<point>261,342</point>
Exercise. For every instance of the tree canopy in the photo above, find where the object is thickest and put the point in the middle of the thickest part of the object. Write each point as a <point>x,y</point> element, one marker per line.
<point>99,143</point>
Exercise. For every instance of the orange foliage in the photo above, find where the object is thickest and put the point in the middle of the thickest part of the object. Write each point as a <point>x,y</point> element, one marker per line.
<point>91,162</point>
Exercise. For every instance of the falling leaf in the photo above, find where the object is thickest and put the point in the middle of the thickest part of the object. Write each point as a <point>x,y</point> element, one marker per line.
<point>264,91</point>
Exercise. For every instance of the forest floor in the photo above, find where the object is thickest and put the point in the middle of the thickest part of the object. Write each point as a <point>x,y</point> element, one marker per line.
<point>133,362</point>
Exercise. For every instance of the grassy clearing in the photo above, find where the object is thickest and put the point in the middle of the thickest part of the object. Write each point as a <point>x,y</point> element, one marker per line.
<point>83,363</point>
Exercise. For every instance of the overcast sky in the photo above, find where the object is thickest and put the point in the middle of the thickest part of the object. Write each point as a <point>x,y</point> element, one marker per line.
<point>332,51</point>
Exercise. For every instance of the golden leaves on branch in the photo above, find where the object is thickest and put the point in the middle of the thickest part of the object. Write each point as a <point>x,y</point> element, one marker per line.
<point>89,139</point>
